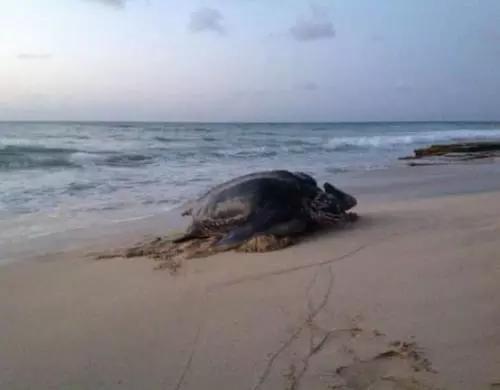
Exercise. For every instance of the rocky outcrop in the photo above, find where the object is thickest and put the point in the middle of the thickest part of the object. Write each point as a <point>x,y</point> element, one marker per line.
<point>464,148</point>
<point>457,152</point>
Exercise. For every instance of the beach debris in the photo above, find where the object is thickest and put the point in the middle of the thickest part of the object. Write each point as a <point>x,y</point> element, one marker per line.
<point>453,153</point>
<point>400,366</point>
<point>360,360</point>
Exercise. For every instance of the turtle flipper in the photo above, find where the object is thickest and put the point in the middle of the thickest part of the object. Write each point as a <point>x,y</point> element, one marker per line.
<point>192,233</point>
<point>187,212</point>
<point>263,222</point>
<point>235,237</point>
<point>288,228</point>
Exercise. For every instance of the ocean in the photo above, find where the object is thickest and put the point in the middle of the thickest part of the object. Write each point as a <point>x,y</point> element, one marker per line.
<point>60,176</point>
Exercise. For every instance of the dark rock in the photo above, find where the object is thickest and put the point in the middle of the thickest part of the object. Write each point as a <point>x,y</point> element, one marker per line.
<point>470,147</point>
<point>453,153</point>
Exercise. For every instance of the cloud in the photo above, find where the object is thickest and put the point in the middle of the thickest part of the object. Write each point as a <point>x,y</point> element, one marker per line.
<point>491,35</point>
<point>403,86</point>
<point>308,86</point>
<point>34,56</point>
<point>207,19</point>
<point>112,3</point>
<point>315,26</point>
<point>4,107</point>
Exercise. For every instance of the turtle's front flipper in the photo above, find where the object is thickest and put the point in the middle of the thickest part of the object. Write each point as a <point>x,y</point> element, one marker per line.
<point>289,228</point>
<point>192,233</point>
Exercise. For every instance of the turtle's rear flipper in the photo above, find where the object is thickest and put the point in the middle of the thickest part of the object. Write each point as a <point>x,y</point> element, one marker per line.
<point>263,222</point>
<point>235,237</point>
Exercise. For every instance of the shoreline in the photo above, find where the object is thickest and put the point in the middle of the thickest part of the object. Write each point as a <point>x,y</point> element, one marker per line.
<point>65,184</point>
<point>387,185</point>
<point>410,292</point>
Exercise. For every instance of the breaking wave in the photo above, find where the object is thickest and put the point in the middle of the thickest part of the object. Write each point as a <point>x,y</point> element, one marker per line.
<point>26,157</point>
<point>47,167</point>
<point>391,141</point>
<point>31,156</point>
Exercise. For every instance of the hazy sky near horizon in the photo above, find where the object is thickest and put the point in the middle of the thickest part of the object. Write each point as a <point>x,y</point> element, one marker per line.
<point>250,60</point>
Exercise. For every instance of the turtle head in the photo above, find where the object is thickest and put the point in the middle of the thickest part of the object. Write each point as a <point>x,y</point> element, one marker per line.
<point>345,201</point>
<point>330,206</point>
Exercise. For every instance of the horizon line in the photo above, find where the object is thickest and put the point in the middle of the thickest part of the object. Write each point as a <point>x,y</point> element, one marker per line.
<point>244,122</point>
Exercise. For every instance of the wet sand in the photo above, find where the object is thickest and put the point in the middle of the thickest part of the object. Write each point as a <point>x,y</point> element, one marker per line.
<point>406,298</point>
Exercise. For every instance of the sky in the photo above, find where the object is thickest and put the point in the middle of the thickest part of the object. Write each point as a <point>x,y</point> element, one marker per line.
<point>250,60</point>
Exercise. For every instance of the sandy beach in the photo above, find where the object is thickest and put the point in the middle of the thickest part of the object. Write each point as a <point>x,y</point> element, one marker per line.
<point>241,195</point>
<point>406,298</point>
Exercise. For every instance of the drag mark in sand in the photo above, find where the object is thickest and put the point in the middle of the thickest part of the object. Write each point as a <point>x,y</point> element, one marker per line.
<point>288,270</point>
<point>313,313</point>
<point>187,366</point>
<point>189,361</point>
<point>295,377</point>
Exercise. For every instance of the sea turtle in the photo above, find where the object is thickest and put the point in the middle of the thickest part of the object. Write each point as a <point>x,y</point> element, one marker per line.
<point>276,203</point>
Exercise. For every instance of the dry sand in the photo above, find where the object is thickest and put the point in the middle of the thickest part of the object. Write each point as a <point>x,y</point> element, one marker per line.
<point>406,298</point>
